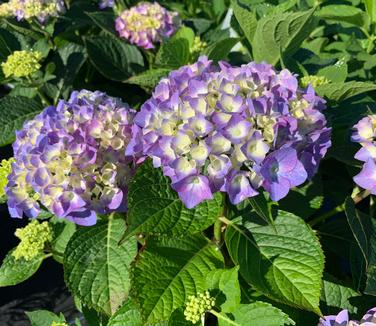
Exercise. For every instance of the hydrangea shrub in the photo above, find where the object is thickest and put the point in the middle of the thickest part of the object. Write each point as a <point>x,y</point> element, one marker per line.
<point>236,187</point>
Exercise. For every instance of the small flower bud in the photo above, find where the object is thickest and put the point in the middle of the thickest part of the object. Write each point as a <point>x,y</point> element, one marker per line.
<point>21,63</point>
<point>197,306</point>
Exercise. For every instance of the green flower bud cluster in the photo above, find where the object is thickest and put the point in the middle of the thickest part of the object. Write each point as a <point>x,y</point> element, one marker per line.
<point>198,47</point>
<point>197,306</point>
<point>22,63</point>
<point>5,169</point>
<point>315,81</point>
<point>33,238</point>
<point>54,323</point>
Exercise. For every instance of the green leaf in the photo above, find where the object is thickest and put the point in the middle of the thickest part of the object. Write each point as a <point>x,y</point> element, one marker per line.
<point>169,270</point>
<point>336,73</point>
<point>155,207</point>
<point>284,261</point>
<point>261,207</point>
<point>148,79</point>
<point>246,19</point>
<point>44,318</point>
<point>14,111</point>
<point>96,267</point>
<point>337,297</point>
<point>14,271</point>
<point>185,33</point>
<point>18,90</point>
<point>8,44</point>
<point>258,314</point>
<point>63,231</point>
<point>227,281</point>
<point>338,92</point>
<point>371,9</point>
<point>281,33</point>
<point>128,314</point>
<point>342,14</point>
<point>220,49</point>
<point>104,20</point>
<point>173,53</point>
<point>114,58</point>
<point>178,319</point>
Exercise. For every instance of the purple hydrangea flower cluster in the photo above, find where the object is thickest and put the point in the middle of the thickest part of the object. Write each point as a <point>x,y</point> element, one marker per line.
<point>232,129</point>
<point>342,319</point>
<point>70,159</point>
<point>106,4</point>
<point>146,24</point>
<point>364,134</point>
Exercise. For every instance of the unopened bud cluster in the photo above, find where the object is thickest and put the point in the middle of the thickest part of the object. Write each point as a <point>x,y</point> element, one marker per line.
<point>197,306</point>
<point>33,239</point>
<point>21,63</point>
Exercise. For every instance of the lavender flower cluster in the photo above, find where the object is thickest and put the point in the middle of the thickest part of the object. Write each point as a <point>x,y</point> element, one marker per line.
<point>232,129</point>
<point>342,319</point>
<point>70,159</point>
<point>364,134</point>
<point>146,24</point>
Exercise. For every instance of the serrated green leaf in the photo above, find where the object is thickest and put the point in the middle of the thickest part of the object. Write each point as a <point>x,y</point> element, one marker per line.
<point>173,53</point>
<point>148,79</point>
<point>96,267</point>
<point>220,49</point>
<point>185,33</point>
<point>44,318</point>
<point>336,73</point>
<point>154,207</point>
<point>281,33</point>
<point>169,270</point>
<point>227,281</point>
<point>338,92</point>
<point>8,44</point>
<point>114,58</point>
<point>337,297</point>
<point>14,111</point>
<point>371,9</point>
<point>261,207</point>
<point>104,20</point>
<point>284,261</point>
<point>14,271</point>
<point>257,314</point>
<point>246,18</point>
<point>62,232</point>
<point>343,14</point>
<point>128,315</point>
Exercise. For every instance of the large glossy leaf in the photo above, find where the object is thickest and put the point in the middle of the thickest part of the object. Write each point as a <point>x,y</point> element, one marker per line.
<point>14,271</point>
<point>281,34</point>
<point>96,267</point>
<point>63,231</point>
<point>284,261</point>
<point>226,280</point>
<point>169,270</point>
<point>220,49</point>
<point>128,314</point>
<point>245,17</point>
<point>173,53</point>
<point>257,314</point>
<point>343,14</point>
<point>155,207</point>
<point>113,57</point>
<point>14,111</point>
<point>338,92</point>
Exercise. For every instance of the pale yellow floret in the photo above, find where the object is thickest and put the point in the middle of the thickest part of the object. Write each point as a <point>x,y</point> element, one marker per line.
<point>33,239</point>
<point>21,63</point>
<point>314,81</point>
<point>5,10</point>
<point>138,23</point>
<point>5,169</point>
<point>197,306</point>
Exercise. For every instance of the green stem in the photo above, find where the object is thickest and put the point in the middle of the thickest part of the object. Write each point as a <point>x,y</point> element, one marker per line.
<point>217,231</point>
<point>47,255</point>
<point>220,316</point>
<point>43,97</point>
<point>340,208</point>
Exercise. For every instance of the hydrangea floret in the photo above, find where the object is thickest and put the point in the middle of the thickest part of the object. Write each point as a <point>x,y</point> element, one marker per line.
<point>342,319</point>
<point>232,129</point>
<point>197,306</point>
<point>5,169</point>
<point>33,239</point>
<point>364,134</point>
<point>28,9</point>
<point>54,323</point>
<point>70,160</point>
<point>146,24</point>
<point>22,63</point>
